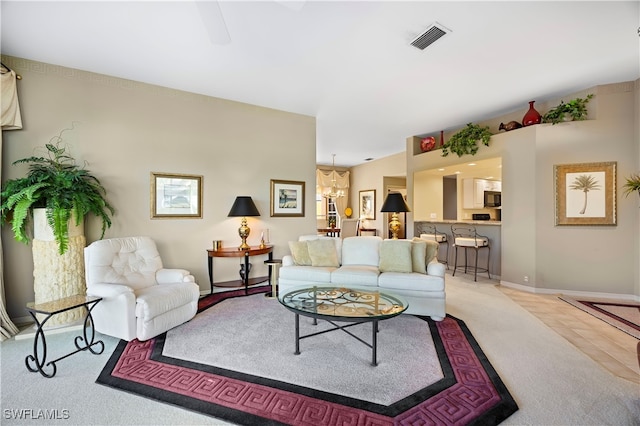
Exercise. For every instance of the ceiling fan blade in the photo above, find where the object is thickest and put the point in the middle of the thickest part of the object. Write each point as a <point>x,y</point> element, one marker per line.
<point>213,21</point>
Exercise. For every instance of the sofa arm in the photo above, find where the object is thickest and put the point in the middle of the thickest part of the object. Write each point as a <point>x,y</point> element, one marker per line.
<point>435,268</point>
<point>287,260</point>
<point>168,276</point>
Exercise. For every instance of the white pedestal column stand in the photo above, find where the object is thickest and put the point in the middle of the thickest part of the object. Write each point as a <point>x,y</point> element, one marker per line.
<point>57,276</point>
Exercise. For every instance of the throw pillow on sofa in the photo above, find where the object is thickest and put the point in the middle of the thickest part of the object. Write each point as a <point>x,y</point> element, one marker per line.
<point>431,249</point>
<point>395,256</point>
<point>419,255</point>
<point>323,253</point>
<point>300,253</point>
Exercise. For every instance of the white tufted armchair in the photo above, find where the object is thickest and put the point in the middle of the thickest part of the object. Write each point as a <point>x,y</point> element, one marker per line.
<point>141,299</point>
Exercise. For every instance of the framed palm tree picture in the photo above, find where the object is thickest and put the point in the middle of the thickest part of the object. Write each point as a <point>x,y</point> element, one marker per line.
<point>585,193</point>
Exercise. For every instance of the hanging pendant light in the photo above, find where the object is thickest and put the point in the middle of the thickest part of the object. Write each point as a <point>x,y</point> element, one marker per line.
<point>335,192</point>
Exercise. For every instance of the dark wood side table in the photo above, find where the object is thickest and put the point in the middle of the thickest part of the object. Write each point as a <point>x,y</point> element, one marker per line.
<point>331,232</point>
<point>244,267</point>
<point>38,361</point>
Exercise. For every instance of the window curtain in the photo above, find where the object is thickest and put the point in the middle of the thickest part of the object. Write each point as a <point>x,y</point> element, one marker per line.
<point>10,120</point>
<point>324,185</point>
<point>7,328</point>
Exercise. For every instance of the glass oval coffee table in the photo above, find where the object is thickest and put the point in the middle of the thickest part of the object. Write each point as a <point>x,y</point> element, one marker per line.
<point>343,304</point>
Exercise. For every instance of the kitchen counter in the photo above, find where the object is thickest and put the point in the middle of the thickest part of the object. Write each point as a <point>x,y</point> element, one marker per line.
<point>469,221</point>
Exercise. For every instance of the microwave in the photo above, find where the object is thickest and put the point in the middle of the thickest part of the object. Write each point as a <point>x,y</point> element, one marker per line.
<point>492,199</point>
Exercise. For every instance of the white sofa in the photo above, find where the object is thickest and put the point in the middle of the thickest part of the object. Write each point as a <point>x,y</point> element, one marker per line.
<point>141,299</point>
<point>369,262</point>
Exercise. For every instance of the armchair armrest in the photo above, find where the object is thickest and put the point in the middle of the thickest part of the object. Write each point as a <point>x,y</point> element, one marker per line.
<point>167,276</point>
<point>108,290</point>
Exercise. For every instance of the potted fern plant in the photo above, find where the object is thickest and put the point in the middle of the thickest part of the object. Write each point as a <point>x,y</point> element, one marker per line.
<point>58,184</point>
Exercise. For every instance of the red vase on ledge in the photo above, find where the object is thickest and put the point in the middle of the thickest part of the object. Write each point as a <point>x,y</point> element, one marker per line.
<point>427,144</point>
<point>532,116</point>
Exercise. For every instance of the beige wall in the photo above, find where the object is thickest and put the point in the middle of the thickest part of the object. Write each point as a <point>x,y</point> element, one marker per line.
<point>372,175</point>
<point>129,130</point>
<point>599,260</point>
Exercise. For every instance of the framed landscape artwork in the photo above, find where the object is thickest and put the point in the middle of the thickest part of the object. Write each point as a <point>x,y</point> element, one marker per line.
<point>287,198</point>
<point>585,193</point>
<point>368,204</point>
<point>176,196</point>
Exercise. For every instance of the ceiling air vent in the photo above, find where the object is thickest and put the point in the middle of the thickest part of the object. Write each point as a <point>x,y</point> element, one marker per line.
<point>429,36</point>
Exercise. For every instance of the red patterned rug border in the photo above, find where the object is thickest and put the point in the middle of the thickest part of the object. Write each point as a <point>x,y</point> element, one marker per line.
<point>477,395</point>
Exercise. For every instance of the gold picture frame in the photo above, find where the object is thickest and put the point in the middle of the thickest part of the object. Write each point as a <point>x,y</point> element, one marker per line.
<point>287,198</point>
<point>367,204</point>
<point>176,196</point>
<point>585,194</point>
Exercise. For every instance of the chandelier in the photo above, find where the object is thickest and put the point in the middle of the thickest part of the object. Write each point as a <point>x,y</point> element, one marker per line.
<point>335,192</point>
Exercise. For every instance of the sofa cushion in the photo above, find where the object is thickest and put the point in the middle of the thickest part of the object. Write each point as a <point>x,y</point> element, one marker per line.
<point>413,281</point>
<point>361,251</point>
<point>161,298</point>
<point>418,256</point>
<point>300,253</point>
<point>320,274</point>
<point>356,275</point>
<point>323,253</point>
<point>395,256</point>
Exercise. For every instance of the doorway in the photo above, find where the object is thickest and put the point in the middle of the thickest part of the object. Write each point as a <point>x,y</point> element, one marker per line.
<point>450,197</point>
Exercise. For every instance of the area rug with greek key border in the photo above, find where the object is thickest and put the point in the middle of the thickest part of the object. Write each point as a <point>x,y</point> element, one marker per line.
<point>622,315</point>
<point>464,390</point>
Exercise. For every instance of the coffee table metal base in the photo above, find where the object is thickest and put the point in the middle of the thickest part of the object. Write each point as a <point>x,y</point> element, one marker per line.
<point>342,304</point>
<point>374,335</point>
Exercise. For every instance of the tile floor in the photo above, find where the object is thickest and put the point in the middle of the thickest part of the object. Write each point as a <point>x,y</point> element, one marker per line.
<point>614,349</point>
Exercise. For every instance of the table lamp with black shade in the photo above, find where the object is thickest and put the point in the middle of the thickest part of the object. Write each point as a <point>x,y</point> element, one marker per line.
<point>394,204</point>
<point>242,207</point>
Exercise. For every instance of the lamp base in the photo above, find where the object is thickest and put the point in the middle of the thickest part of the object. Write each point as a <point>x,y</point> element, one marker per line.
<point>244,231</point>
<point>394,226</point>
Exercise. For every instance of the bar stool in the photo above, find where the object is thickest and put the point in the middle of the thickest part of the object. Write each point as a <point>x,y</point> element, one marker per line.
<point>429,232</point>
<point>273,265</point>
<point>466,237</point>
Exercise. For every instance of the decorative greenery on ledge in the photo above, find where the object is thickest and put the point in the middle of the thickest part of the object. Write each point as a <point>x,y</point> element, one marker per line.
<point>466,140</point>
<point>576,109</point>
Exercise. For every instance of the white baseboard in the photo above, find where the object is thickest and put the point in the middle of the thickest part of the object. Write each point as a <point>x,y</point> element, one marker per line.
<point>573,293</point>
<point>29,331</point>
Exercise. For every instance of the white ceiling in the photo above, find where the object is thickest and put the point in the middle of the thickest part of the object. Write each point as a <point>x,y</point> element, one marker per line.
<point>349,64</point>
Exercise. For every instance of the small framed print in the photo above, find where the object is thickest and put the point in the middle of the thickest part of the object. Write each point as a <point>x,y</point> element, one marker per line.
<point>176,196</point>
<point>287,198</point>
<point>585,193</point>
<point>368,204</point>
